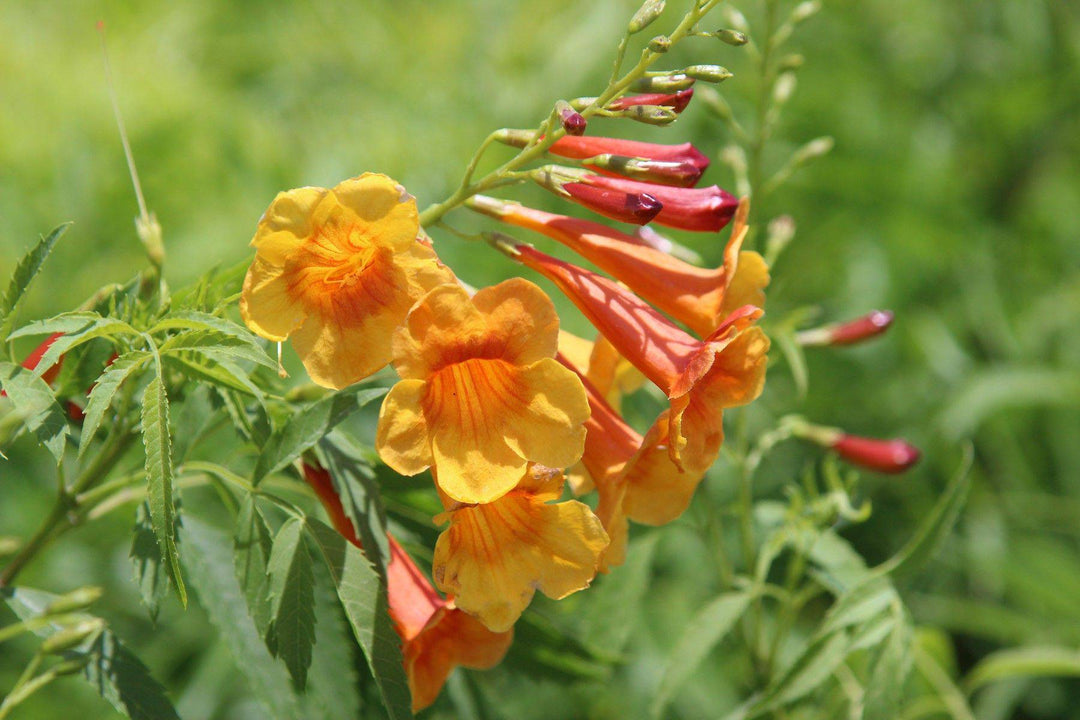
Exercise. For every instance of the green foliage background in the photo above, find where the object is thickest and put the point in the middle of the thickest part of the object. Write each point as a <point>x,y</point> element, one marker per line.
<point>951,198</point>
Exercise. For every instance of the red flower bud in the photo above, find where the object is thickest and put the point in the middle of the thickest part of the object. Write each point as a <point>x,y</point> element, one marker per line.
<point>637,208</point>
<point>32,360</point>
<point>591,146</point>
<point>855,331</point>
<point>677,174</point>
<point>676,101</point>
<point>697,209</point>
<point>572,121</point>
<point>886,456</point>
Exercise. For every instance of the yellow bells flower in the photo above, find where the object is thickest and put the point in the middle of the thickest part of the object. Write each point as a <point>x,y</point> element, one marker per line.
<point>336,271</point>
<point>494,556</point>
<point>481,394</point>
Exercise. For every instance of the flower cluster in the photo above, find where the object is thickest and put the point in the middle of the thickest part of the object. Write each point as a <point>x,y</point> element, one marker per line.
<point>493,399</point>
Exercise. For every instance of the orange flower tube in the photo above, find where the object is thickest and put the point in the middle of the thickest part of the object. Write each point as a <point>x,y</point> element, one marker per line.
<point>695,296</point>
<point>436,636</point>
<point>700,377</point>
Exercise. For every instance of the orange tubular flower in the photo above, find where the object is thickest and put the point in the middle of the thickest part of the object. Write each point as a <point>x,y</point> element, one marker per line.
<point>700,377</point>
<point>481,394</point>
<point>494,556</point>
<point>601,364</point>
<point>337,270</point>
<point>436,636</point>
<point>696,296</point>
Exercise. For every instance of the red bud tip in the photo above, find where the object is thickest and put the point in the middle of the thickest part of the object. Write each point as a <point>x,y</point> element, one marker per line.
<point>636,208</point>
<point>676,101</point>
<point>885,456</point>
<point>573,122</point>
<point>864,328</point>
<point>696,209</point>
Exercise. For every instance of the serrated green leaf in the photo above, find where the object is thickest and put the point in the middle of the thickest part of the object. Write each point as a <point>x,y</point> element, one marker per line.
<point>195,320</point>
<point>219,372</point>
<point>891,669</point>
<point>193,417</point>
<point>309,426</point>
<point>114,671</point>
<point>76,328</point>
<point>354,482</point>
<point>1043,661</point>
<point>291,599</point>
<point>814,665</point>
<point>938,524</point>
<point>363,597</point>
<point>216,345</point>
<point>24,274</point>
<point>703,632</point>
<point>34,401</point>
<point>252,543</point>
<point>333,689</point>
<point>150,576</point>
<point>208,559</point>
<point>159,479</point>
<point>859,604</point>
<point>104,389</point>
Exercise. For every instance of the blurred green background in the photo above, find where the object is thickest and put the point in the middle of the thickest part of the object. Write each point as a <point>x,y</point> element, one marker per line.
<point>952,197</point>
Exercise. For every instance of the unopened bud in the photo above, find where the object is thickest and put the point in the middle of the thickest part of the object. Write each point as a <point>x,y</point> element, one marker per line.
<point>812,150</point>
<point>784,88</point>
<point>668,83</point>
<point>715,102</point>
<point>74,601</point>
<point>72,636</point>
<point>660,44</point>
<point>736,19</point>
<point>572,121</point>
<point>676,101</point>
<point>679,174</point>
<point>778,236</point>
<point>734,157</point>
<point>731,37</point>
<point>708,73</point>
<point>9,545</point>
<point>856,331</point>
<point>649,114</point>
<point>646,14</point>
<point>514,138</point>
<point>794,61</point>
<point>885,456</point>
<point>149,231</point>
<point>805,10</point>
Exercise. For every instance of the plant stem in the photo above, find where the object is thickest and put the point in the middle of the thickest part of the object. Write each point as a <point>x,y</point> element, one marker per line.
<point>468,188</point>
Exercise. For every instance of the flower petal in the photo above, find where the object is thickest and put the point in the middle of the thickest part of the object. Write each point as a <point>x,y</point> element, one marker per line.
<point>378,200</point>
<point>549,429</point>
<point>265,303</point>
<point>522,317</point>
<point>402,437</point>
<point>493,557</point>
<point>287,223</point>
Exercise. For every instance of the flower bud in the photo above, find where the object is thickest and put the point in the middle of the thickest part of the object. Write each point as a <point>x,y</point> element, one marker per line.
<point>856,331</point>
<point>72,636</point>
<point>794,61</point>
<point>664,83</point>
<point>660,44</point>
<point>805,10</point>
<point>885,456</point>
<point>784,88</point>
<point>635,206</point>
<point>695,209</point>
<point>678,174</point>
<point>572,121</point>
<point>812,150</point>
<point>646,14</point>
<point>514,138</point>
<point>736,19</point>
<point>649,114</point>
<point>676,101</point>
<point>707,73</point>
<point>73,666</point>
<point>74,601</point>
<point>731,37</point>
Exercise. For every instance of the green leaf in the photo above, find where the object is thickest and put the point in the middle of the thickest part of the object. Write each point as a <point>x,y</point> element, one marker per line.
<point>354,482</point>
<point>310,425</point>
<point>159,478</point>
<point>252,544</point>
<point>1043,661</point>
<point>333,689</point>
<point>362,592</point>
<point>221,373</point>
<point>25,271</point>
<point>216,345</point>
<point>34,401</point>
<point>613,606</point>
<point>796,359</point>
<point>291,599</point>
<point>114,671</point>
<point>104,389</point>
<point>208,559</point>
<point>703,632</point>
<point>861,603</point>
<point>810,669</point>
<point>150,576</point>
<point>937,526</point>
<point>885,690</point>
<point>193,417</point>
<point>195,320</point>
<point>76,328</point>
